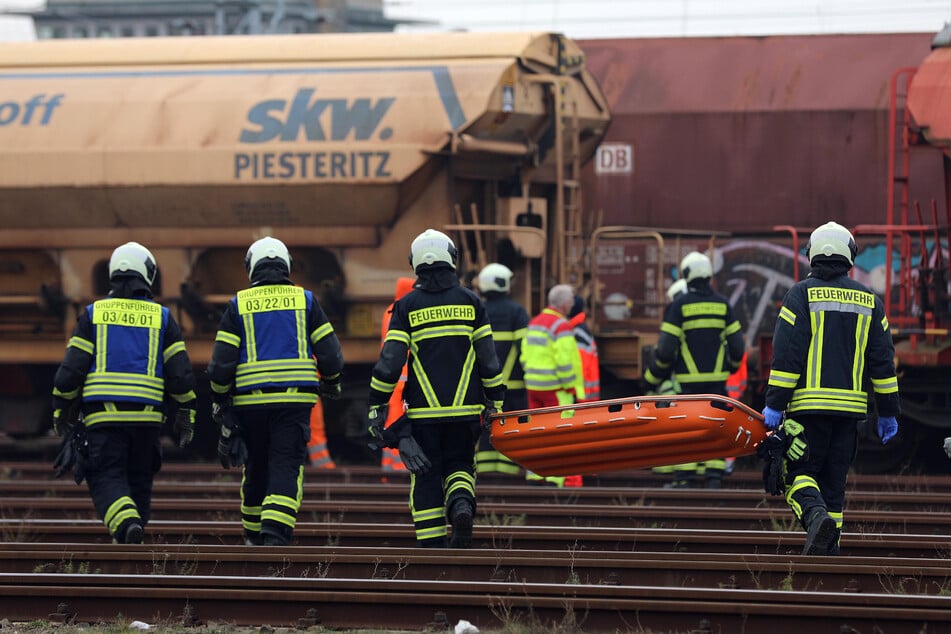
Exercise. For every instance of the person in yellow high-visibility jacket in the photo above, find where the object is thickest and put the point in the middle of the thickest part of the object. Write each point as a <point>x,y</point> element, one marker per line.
<point>552,362</point>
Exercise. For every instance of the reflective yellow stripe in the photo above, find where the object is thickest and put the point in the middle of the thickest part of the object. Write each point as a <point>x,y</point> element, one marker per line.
<point>671,330</point>
<point>289,396</point>
<point>381,386</point>
<point>100,349</point>
<point>300,319</point>
<point>81,344</point>
<point>249,342</point>
<point>277,516</point>
<point>172,350</point>
<point>510,360</point>
<point>705,324</point>
<point>885,386</point>
<point>509,335</point>
<point>429,514</point>
<point>397,335</point>
<point>779,378</point>
<point>320,332</point>
<point>814,355</point>
<point>228,338</point>
<point>153,352</point>
<point>443,412</point>
<point>463,386</point>
<point>115,416</point>
<point>787,315</point>
<point>861,342</point>
<point>424,384</point>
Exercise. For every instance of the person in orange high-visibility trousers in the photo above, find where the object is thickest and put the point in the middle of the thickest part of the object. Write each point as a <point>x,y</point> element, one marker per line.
<point>317,453</point>
<point>390,460</point>
<point>736,383</point>
<point>588,349</point>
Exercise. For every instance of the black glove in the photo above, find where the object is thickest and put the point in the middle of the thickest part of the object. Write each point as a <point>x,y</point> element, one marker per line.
<point>185,426</point>
<point>232,452</point>
<point>773,451</point>
<point>72,454</point>
<point>65,414</point>
<point>330,389</point>
<point>376,420</point>
<point>66,457</point>
<point>412,456</point>
<point>491,407</point>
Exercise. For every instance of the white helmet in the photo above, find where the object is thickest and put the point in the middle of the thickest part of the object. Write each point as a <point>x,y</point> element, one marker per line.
<point>432,246</point>
<point>695,266</point>
<point>677,288</point>
<point>495,277</point>
<point>832,239</point>
<point>133,258</point>
<point>266,248</point>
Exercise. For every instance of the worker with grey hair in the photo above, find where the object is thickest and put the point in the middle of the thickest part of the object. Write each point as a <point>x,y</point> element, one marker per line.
<point>551,359</point>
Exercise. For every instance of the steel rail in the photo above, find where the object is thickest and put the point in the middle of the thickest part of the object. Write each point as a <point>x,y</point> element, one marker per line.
<point>747,479</point>
<point>726,570</point>
<point>402,604</point>
<point>525,514</point>
<point>570,538</point>
<point>896,501</point>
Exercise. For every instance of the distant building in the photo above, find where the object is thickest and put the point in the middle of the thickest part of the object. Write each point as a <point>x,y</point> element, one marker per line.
<point>152,18</point>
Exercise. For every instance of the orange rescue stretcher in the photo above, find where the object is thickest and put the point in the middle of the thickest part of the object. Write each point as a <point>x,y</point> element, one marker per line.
<point>627,433</point>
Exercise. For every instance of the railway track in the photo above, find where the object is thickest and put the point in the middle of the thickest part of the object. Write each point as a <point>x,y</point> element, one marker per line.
<point>410,604</point>
<point>606,558</point>
<point>514,493</point>
<point>710,570</point>
<point>493,537</point>
<point>746,479</point>
<point>505,513</point>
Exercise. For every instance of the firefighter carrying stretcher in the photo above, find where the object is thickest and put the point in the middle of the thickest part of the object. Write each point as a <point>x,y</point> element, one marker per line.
<point>700,344</point>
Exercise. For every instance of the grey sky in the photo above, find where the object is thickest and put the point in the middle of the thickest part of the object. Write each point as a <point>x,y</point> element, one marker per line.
<point>638,18</point>
<point>658,18</point>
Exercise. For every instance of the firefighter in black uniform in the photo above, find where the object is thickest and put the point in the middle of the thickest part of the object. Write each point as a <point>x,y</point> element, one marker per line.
<point>509,321</point>
<point>830,336</point>
<point>454,376</point>
<point>265,381</point>
<point>701,343</point>
<point>125,359</point>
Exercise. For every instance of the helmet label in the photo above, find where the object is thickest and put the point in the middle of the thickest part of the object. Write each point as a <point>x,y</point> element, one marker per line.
<point>262,299</point>
<point>127,312</point>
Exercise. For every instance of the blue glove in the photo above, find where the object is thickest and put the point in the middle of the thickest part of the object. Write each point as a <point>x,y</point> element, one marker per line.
<point>887,428</point>
<point>773,417</point>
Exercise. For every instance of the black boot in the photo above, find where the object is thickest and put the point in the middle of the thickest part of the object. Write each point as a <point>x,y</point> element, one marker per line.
<point>435,542</point>
<point>133,534</point>
<point>275,538</point>
<point>820,533</point>
<point>461,519</point>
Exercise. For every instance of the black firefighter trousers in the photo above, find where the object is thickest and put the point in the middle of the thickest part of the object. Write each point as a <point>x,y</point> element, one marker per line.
<point>272,487</point>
